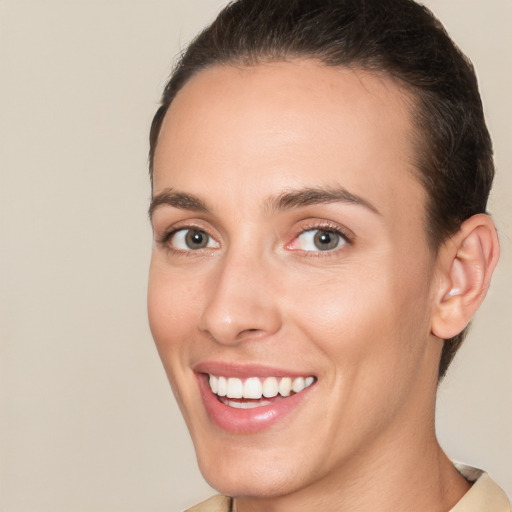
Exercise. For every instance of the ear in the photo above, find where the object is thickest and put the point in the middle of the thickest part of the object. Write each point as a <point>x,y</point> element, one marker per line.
<point>464,267</point>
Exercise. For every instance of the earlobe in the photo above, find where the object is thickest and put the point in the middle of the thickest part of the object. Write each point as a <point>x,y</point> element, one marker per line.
<point>465,266</point>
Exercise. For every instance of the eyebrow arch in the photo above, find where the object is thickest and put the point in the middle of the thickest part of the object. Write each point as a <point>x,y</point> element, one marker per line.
<point>311,196</point>
<point>180,200</point>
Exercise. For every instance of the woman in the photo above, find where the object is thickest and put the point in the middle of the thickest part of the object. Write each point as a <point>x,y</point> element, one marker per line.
<point>320,173</point>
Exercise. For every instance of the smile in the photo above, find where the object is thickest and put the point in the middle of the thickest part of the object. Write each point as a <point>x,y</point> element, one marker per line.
<point>251,398</point>
<point>248,393</point>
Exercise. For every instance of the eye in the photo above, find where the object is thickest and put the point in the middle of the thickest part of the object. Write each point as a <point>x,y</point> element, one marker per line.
<point>319,240</point>
<point>192,240</point>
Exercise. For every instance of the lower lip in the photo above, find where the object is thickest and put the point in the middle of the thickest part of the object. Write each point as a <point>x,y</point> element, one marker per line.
<point>247,421</point>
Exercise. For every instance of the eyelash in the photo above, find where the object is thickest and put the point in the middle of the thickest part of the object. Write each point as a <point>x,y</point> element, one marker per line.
<point>163,241</point>
<point>328,227</point>
<point>346,236</point>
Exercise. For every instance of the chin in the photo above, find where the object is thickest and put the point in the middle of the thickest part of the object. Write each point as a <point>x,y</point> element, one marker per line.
<point>256,482</point>
<point>252,473</point>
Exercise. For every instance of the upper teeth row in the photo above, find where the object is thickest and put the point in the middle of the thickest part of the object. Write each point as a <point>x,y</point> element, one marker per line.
<point>254,388</point>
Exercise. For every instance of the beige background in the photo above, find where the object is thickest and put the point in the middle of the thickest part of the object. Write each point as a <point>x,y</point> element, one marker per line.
<point>87,422</point>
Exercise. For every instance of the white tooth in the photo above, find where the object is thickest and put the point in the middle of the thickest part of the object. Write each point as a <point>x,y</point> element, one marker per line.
<point>309,381</point>
<point>222,386</point>
<point>298,384</point>
<point>235,388</point>
<point>270,387</point>
<point>285,386</point>
<point>214,383</point>
<point>252,405</point>
<point>247,405</point>
<point>253,388</point>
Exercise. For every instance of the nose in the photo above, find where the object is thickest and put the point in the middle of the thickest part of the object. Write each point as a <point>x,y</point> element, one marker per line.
<point>241,301</point>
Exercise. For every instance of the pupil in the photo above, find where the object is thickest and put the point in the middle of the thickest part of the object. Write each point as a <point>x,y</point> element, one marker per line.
<point>325,240</point>
<point>196,239</point>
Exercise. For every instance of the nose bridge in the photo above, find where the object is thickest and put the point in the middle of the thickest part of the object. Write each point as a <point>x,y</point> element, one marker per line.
<point>241,298</point>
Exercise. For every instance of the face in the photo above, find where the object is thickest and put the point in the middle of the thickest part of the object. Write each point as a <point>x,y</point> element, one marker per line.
<point>290,285</point>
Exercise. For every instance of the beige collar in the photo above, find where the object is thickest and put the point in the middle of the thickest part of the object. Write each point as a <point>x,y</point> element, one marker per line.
<point>484,495</point>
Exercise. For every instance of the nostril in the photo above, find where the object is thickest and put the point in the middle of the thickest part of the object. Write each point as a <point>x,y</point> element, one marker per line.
<point>251,334</point>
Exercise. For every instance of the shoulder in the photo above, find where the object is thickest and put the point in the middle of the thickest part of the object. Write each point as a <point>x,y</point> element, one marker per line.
<point>484,496</point>
<point>214,504</point>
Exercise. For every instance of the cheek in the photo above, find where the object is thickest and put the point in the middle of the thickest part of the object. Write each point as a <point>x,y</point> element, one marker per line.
<point>160,306</point>
<point>343,302</point>
<point>171,309</point>
<point>373,316</point>
<point>172,317</point>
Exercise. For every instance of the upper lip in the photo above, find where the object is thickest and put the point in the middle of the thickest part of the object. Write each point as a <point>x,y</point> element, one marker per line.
<point>246,370</point>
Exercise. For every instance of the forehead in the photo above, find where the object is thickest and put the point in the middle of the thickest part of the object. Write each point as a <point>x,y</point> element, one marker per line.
<point>291,124</point>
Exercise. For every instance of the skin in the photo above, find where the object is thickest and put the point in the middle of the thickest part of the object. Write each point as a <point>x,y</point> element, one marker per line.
<point>358,317</point>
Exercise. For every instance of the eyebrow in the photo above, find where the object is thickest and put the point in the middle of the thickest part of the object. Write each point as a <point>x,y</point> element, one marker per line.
<point>311,196</point>
<point>285,201</point>
<point>180,200</point>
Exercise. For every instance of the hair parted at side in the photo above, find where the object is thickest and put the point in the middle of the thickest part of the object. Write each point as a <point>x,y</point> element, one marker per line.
<point>398,37</point>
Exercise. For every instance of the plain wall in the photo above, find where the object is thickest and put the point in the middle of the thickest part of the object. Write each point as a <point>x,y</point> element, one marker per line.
<point>87,419</point>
